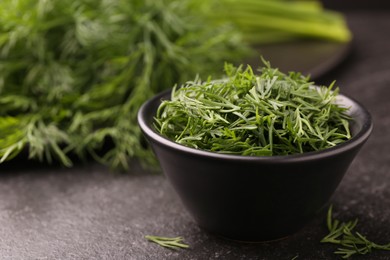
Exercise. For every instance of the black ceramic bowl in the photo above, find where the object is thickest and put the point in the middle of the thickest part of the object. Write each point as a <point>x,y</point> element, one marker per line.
<point>250,198</point>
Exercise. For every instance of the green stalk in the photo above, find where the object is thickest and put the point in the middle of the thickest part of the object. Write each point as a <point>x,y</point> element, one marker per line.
<point>300,28</point>
<point>255,18</point>
<point>281,7</point>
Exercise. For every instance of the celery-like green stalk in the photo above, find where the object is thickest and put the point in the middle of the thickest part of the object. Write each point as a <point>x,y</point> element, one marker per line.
<point>286,19</point>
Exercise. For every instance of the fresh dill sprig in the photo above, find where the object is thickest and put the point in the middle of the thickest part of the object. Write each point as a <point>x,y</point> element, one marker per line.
<point>350,242</point>
<point>271,113</point>
<point>168,242</point>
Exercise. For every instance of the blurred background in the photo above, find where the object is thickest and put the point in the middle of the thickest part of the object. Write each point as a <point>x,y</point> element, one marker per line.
<point>356,4</point>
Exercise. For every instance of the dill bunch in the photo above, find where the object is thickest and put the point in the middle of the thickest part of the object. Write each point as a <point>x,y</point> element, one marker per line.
<point>256,115</point>
<point>74,73</point>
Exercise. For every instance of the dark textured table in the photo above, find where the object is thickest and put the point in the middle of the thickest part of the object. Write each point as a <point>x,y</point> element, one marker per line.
<point>87,212</point>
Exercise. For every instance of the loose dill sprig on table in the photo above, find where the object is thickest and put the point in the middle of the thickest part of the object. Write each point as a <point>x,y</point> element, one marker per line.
<point>168,242</point>
<point>271,113</point>
<point>352,243</point>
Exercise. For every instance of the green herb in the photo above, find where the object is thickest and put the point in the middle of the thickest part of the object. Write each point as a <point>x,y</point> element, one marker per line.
<point>247,114</point>
<point>264,21</point>
<point>74,73</point>
<point>168,242</point>
<point>352,243</point>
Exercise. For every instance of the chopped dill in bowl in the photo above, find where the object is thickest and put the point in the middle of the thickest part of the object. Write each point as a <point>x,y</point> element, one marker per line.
<point>265,114</point>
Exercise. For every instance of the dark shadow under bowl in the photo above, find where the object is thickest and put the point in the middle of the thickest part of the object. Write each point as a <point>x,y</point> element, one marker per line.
<point>250,198</point>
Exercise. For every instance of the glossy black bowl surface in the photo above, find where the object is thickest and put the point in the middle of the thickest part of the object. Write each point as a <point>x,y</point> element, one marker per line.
<point>251,198</point>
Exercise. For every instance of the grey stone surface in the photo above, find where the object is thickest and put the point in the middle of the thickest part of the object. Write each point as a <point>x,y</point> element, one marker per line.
<point>88,212</point>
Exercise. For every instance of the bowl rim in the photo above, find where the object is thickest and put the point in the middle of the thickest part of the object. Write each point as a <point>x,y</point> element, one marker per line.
<point>354,141</point>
